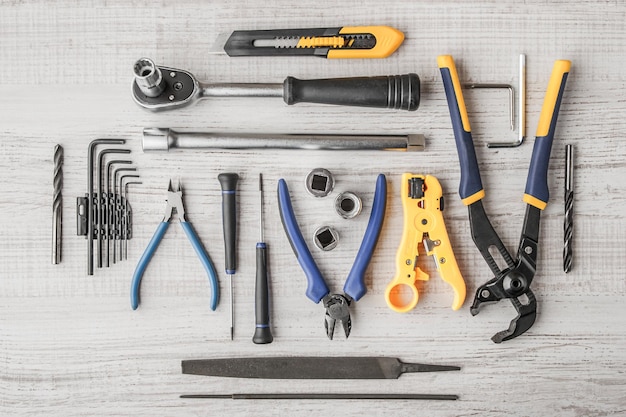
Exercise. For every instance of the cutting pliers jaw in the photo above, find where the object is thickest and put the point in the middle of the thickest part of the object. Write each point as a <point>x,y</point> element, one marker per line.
<point>174,202</point>
<point>337,309</point>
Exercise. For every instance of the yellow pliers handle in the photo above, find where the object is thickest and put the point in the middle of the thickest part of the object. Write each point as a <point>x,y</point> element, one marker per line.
<point>422,203</point>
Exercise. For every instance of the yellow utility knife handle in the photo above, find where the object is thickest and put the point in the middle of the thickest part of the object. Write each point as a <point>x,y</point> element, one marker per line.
<point>388,39</point>
<point>423,218</point>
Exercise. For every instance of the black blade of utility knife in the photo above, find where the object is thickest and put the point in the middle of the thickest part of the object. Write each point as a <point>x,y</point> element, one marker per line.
<point>308,367</point>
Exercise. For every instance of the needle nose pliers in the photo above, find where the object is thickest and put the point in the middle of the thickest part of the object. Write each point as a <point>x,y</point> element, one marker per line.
<point>512,282</point>
<point>174,204</point>
<point>337,305</point>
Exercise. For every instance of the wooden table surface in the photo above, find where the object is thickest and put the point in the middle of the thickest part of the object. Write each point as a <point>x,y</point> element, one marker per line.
<point>70,345</point>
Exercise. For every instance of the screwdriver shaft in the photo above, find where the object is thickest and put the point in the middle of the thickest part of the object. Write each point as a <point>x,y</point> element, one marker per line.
<point>232,308</point>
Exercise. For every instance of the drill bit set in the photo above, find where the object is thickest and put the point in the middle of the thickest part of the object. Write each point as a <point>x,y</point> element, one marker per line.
<point>104,215</point>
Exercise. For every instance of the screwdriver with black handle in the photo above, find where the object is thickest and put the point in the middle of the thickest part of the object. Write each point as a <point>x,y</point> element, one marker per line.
<point>228,182</point>
<point>262,332</point>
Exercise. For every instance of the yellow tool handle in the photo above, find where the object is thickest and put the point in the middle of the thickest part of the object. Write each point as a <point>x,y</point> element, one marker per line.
<point>536,193</point>
<point>401,293</point>
<point>423,219</point>
<point>446,263</point>
<point>388,39</point>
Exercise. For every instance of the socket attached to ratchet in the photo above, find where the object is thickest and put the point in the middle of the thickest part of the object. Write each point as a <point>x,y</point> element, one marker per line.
<point>159,88</point>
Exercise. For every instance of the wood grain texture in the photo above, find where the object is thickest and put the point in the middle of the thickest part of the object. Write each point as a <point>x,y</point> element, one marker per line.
<point>71,346</point>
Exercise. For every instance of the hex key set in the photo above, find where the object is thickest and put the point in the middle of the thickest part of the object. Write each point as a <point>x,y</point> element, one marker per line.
<point>104,215</point>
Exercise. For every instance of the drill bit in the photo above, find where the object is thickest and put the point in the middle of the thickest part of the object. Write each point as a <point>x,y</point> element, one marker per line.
<point>569,207</point>
<point>57,205</point>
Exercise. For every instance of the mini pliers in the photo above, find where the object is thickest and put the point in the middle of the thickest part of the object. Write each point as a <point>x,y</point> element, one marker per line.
<point>512,282</point>
<point>174,204</point>
<point>337,305</point>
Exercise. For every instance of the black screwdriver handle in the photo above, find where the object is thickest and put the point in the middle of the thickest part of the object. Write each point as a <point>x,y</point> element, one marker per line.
<point>263,332</point>
<point>228,182</point>
<point>390,92</point>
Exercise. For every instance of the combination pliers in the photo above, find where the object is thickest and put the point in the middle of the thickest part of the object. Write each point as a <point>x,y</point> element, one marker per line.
<point>512,282</point>
<point>174,204</point>
<point>337,305</point>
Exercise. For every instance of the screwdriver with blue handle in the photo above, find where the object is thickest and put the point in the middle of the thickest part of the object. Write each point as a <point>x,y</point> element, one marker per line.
<point>228,182</point>
<point>512,282</point>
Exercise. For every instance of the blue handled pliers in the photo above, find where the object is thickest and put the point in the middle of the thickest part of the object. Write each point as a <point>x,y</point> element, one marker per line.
<point>513,281</point>
<point>337,305</point>
<point>174,204</point>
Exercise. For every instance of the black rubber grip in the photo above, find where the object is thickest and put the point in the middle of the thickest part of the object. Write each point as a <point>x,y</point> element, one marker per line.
<point>263,332</point>
<point>228,181</point>
<point>390,92</point>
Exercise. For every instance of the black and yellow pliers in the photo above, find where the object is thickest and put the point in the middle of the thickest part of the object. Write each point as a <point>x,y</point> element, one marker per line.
<point>512,282</point>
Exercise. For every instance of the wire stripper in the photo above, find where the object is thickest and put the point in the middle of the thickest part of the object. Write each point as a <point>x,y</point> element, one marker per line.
<point>342,42</point>
<point>423,204</point>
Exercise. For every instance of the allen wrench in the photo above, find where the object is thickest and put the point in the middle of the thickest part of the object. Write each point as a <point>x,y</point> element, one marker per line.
<point>111,209</point>
<point>91,154</point>
<point>125,223</point>
<point>101,200</point>
<point>117,186</point>
<point>126,219</point>
<point>521,105</point>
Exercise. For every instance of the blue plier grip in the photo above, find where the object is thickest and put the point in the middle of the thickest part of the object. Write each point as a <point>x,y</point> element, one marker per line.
<point>536,193</point>
<point>471,187</point>
<point>316,286</point>
<point>206,262</point>
<point>355,283</point>
<point>143,263</point>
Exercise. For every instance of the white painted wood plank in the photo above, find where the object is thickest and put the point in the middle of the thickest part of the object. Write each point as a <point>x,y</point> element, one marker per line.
<point>71,346</point>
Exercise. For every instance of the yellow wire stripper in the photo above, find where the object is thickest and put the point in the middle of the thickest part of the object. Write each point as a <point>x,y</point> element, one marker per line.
<point>422,202</point>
